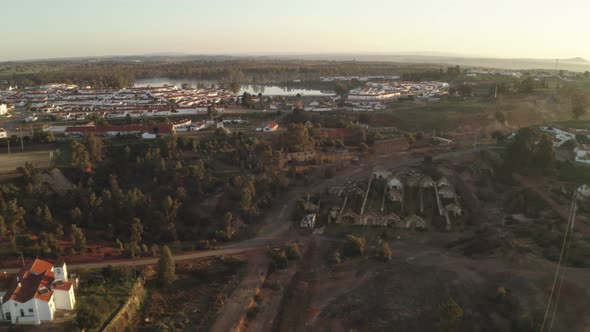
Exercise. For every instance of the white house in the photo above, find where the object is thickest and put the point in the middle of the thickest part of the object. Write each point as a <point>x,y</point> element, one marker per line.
<point>582,154</point>
<point>3,109</point>
<point>149,136</point>
<point>308,221</point>
<point>561,136</point>
<point>394,184</point>
<point>3,133</point>
<point>584,190</point>
<point>273,126</point>
<point>36,292</point>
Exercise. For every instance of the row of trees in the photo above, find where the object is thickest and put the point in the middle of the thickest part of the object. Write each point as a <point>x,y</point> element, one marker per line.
<point>123,74</point>
<point>151,199</point>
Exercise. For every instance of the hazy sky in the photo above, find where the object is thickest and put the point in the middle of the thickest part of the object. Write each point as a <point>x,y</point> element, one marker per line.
<point>32,29</point>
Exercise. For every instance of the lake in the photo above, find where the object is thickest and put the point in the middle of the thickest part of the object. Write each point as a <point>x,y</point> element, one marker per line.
<point>269,90</point>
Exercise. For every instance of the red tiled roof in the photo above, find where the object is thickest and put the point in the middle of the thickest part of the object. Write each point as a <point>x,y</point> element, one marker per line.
<point>337,132</point>
<point>31,278</point>
<point>65,286</point>
<point>162,129</point>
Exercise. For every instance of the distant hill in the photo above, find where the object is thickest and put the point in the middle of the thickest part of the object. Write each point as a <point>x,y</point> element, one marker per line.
<point>573,64</point>
<point>436,58</point>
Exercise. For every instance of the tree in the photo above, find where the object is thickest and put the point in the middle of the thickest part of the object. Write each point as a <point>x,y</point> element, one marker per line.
<point>247,198</point>
<point>76,214</point>
<point>293,252</point>
<point>528,85</point>
<point>234,87</point>
<point>212,110</point>
<point>47,217</point>
<point>582,139</point>
<point>78,239</point>
<point>279,260</point>
<point>354,246</point>
<point>364,147</point>
<point>453,72</point>
<point>587,74</point>
<point>247,100</point>
<point>297,138</point>
<point>342,89</point>
<point>451,317</point>
<point>94,146</point>
<point>170,209</point>
<point>30,174</point>
<point>578,110</point>
<point>135,237</point>
<point>227,220</point>
<point>3,229</point>
<point>336,258</point>
<point>91,313</point>
<point>519,154</point>
<point>15,217</point>
<point>499,116</point>
<point>465,90</point>
<point>79,155</point>
<point>544,155</point>
<point>166,267</point>
<point>385,252</point>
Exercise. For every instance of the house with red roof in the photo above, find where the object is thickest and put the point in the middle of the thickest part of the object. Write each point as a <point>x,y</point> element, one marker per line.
<point>36,292</point>
<point>273,126</point>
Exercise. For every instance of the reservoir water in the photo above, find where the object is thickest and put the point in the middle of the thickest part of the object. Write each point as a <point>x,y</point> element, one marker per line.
<point>268,90</point>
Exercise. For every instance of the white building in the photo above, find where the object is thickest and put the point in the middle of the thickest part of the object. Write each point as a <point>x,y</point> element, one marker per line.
<point>582,154</point>
<point>560,136</point>
<point>273,126</point>
<point>308,221</point>
<point>149,136</point>
<point>36,292</point>
<point>3,109</point>
<point>584,190</point>
<point>3,133</point>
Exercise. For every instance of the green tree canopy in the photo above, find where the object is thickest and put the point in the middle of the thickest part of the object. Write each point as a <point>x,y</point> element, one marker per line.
<point>166,267</point>
<point>79,155</point>
<point>78,239</point>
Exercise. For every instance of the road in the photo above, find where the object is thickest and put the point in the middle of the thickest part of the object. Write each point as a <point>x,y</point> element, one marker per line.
<point>272,232</point>
<point>9,163</point>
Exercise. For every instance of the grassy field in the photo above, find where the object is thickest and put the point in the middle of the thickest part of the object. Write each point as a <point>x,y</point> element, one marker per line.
<point>576,124</point>
<point>432,116</point>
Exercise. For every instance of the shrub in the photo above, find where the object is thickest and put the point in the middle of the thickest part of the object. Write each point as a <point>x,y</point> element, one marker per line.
<point>278,260</point>
<point>355,246</point>
<point>293,251</point>
<point>252,311</point>
<point>92,313</point>
<point>385,252</point>
<point>451,317</point>
<point>336,258</point>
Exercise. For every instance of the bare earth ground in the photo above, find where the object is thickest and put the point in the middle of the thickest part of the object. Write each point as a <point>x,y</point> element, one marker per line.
<point>404,294</point>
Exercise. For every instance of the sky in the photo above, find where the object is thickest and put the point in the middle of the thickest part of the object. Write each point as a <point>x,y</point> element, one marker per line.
<point>41,29</point>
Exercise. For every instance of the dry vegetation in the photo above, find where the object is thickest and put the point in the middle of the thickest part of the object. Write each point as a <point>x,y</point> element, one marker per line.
<point>194,299</point>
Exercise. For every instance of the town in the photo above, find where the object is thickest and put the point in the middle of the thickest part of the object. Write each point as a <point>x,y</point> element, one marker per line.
<point>294,166</point>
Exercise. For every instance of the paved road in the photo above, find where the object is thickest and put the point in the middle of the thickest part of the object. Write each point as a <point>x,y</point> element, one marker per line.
<point>9,163</point>
<point>270,234</point>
